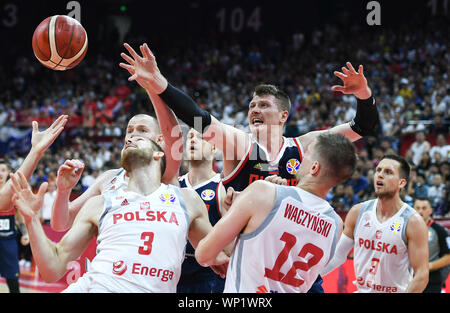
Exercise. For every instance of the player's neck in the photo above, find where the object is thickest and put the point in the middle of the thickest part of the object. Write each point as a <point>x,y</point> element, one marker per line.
<point>388,207</point>
<point>271,140</point>
<point>200,171</point>
<point>316,188</point>
<point>144,180</point>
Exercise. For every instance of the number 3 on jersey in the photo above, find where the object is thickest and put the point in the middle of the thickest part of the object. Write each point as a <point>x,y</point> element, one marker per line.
<point>290,277</point>
<point>146,248</point>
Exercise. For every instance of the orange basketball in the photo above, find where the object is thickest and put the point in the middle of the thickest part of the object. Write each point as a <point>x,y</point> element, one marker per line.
<point>60,42</point>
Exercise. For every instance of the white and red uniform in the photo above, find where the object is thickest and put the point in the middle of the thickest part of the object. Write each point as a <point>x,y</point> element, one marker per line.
<point>288,250</point>
<point>140,243</point>
<point>117,182</point>
<point>381,258</point>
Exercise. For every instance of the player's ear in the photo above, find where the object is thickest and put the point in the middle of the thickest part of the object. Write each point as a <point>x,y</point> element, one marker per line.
<point>284,116</point>
<point>315,168</point>
<point>402,183</point>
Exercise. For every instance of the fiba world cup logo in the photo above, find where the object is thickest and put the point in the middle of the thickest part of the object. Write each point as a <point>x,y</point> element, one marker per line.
<point>292,166</point>
<point>167,198</point>
<point>208,194</point>
<point>396,227</point>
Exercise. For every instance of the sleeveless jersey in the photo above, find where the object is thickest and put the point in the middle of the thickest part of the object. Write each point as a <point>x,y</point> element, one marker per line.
<point>118,181</point>
<point>288,250</point>
<point>209,191</point>
<point>256,165</point>
<point>140,243</point>
<point>380,251</point>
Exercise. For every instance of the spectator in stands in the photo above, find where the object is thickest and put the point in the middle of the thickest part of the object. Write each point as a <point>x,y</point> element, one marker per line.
<point>358,182</point>
<point>436,192</point>
<point>49,198</point>
<point>420,186</point>
<point>441,147</point>
<point>419,146</point>
<point>350,199</point>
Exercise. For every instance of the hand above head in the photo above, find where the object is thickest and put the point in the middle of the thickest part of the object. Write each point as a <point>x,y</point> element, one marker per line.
<point>69,174</point>
<point>42,140</point>
<point>354,82</point>
<point>144,69</point>
<point>28,203</point>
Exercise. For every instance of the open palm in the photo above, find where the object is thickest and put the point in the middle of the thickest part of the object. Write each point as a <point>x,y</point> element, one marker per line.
<point>144,69</point>
<point>42,140</point>
<point>24,199</point>
<point>354,82</point>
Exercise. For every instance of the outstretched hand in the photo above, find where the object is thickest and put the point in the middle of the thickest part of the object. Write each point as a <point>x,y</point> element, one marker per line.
<point>42,140</point>
<point>354,82</point>
<point>144,69</point>
<point>24,199</point>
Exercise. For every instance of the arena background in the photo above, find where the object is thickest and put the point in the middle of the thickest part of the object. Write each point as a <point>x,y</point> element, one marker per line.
<point>187,38</point>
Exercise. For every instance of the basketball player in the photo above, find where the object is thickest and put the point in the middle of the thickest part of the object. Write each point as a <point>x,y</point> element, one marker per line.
<point>264,152</point>
<point>9,254</point>
<point>285,234</point>
<point>141,229</point>
<point>438,246</point>
<point>9,257</point>
<point>390,240</point>
<point>168,136</point>
<point>207,183</point>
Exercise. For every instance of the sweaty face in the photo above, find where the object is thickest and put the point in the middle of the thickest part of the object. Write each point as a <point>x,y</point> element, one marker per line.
<point>197,148</point>
<point>387,181</point>
<point>263,112</point>
<point>143,126</point>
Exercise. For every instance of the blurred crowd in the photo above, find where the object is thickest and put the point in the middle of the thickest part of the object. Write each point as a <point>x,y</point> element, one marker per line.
<point>407,70</point>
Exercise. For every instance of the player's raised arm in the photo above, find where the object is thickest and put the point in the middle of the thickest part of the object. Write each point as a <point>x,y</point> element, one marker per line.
<point>366,121</point>
<point>40,142</point>
<point>52,259</point>
<point>145,71</point>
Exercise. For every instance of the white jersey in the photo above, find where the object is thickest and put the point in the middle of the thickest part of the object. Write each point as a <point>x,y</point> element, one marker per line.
<point>288,250</point>
<point>140,243</point>
<point>117,182</point>
<point>381,258</point>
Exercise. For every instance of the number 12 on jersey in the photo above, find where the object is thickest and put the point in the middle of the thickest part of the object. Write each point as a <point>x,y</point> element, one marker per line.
<point>290,277</point>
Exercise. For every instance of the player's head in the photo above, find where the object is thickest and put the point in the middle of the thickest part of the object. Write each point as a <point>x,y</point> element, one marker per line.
<point>330,158</point>
<point>269,106</point>
<point>141,152</point>
<point>5,169</point>
<point>198,149</point>
<point>144,125</point>
<point>423,206</point>
<point>391,175</point>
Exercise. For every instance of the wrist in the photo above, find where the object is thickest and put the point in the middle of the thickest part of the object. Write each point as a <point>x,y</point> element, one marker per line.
<point>159,84</point>
<point>36,153</point>
<point>364,94</point>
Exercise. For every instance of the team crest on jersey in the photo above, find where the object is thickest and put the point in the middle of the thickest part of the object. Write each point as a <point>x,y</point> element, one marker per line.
<point>145,205</point>
<point>208,194</point>
<point>292,166</point>
<point>167,198</point>
<point>396,227</point>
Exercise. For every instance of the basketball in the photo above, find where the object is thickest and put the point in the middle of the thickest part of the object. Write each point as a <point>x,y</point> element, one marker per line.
<point>60,42</point>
